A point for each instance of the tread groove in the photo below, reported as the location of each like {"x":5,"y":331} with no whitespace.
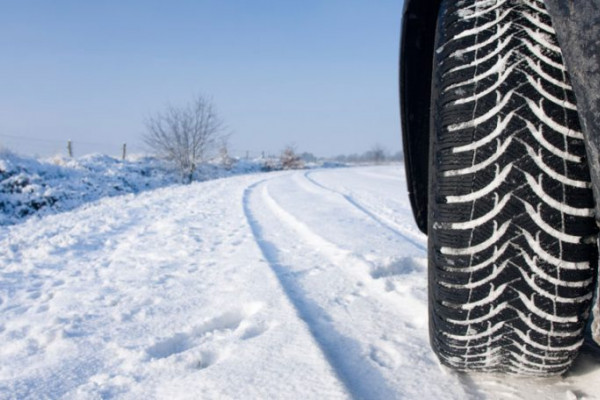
{"x":511,"y":239}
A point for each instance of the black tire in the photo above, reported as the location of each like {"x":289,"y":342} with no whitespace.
{"x":512,"y":248}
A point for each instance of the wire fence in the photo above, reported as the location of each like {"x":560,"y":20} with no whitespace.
{"x":44,"y":147}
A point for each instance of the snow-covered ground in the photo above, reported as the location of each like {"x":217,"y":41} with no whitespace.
{"x":31,"y":187}
{"x":287,"y":285}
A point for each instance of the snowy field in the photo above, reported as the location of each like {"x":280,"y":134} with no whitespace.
{"x":287,"y":285}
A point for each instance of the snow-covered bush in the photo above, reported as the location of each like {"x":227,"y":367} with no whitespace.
{"x":29,"y":186}
{"x":290,"y":160}
{"x":39,"y":187}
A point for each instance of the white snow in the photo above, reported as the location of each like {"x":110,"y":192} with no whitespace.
{"x":31,"y":187}
{"x":288,"y":285}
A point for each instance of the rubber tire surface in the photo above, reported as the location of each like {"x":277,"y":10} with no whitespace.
{"x":512,"y":240}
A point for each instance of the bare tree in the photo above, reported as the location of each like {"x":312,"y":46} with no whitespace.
{"x":185,"y":135}
{"x":377,"y":154}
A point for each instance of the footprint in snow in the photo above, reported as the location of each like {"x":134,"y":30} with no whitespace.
{"x":402,"y":266}
{"x":177,"y":343}
{"x":34,"y":295}
{"x":253,"y":330}
{"x":42,"y":309}
{"x":219,"y":331}
{"x":384,"y":355}
{"x":206,"y":359}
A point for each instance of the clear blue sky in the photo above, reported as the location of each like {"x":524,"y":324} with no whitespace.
{"x":320,"y":74}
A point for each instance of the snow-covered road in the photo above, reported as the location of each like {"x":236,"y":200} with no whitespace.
{"x":304,"y":284}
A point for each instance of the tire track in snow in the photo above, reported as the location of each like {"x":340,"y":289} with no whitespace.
{"x":381,"y":221}
{"x":347,"y":366}
{"x":366,"y":270}
{"x":369,"y":338}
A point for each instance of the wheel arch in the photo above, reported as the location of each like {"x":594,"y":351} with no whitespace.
{"x":416,"y":57}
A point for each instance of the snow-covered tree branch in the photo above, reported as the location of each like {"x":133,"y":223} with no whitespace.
{"x":185,"y":135}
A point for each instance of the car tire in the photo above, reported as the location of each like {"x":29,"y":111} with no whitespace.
{"x":512,"y":238}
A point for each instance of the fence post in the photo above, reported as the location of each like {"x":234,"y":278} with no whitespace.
{"x":124,"y":151}
{"x":70,"y":148}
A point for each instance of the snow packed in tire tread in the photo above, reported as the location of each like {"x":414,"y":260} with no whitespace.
{"x":512,"y":235}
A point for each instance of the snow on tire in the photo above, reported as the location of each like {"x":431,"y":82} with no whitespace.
{"x":512,"y":238}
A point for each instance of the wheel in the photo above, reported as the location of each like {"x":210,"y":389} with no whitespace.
{"x":512,"y":239}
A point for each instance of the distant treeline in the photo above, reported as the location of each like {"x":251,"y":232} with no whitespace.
{"x":376,"y":155}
